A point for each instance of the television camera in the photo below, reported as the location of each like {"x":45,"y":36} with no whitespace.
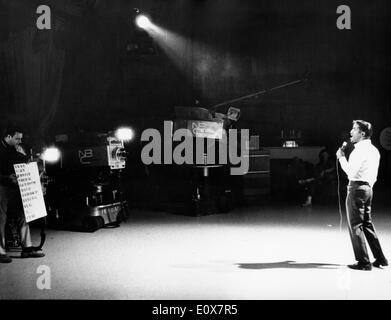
{"x":85,"y":189}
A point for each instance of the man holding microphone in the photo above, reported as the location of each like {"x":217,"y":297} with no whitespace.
{"x":361,"y":170}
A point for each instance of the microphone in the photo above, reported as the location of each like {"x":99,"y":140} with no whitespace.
{"x":344,"y":145}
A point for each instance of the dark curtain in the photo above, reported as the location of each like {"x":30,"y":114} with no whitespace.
{"x":32,"y":69}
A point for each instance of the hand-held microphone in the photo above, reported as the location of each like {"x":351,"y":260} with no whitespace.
{"x":344,"y":145}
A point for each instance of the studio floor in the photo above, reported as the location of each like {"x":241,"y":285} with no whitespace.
{"x":257,"y":252}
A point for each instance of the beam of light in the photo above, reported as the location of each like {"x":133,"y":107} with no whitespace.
{"x":143,"y":22}
{"x":51,"y":154}
{"x":202,"y":64}
{"x":125,"y":134}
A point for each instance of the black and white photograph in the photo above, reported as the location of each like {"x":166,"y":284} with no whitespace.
{"x":203,"y":152}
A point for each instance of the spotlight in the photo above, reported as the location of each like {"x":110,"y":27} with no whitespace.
{"x":143,"y":22}
{"x":124,"y":134}
{"x":51,"y":154}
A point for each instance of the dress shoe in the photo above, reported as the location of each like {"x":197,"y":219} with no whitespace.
{"x":31,"y":253}
{"x":380,"y":263}
{"x":5,"y":258}
{"x":361,"y":266}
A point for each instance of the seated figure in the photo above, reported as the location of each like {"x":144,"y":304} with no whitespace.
{"x":321,"y":181}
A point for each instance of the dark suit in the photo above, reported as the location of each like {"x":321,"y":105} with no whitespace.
{"x":10,"y":200}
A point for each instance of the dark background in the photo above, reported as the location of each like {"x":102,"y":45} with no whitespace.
{"x":81,"y":76}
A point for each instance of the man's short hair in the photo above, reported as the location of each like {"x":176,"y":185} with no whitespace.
{"x":365,"y":127}
{"x":11,"y":130}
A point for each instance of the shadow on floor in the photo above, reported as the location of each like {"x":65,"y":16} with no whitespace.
{"x":288,"y":265}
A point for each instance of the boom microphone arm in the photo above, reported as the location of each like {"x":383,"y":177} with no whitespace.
{"x":254,"y":95}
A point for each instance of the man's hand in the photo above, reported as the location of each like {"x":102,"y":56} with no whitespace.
{"x":13,"y":178}
{"x":340,"y":153}
{"x":20,"y":149}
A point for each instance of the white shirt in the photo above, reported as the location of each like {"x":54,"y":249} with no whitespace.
{"x":363,"y":162}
